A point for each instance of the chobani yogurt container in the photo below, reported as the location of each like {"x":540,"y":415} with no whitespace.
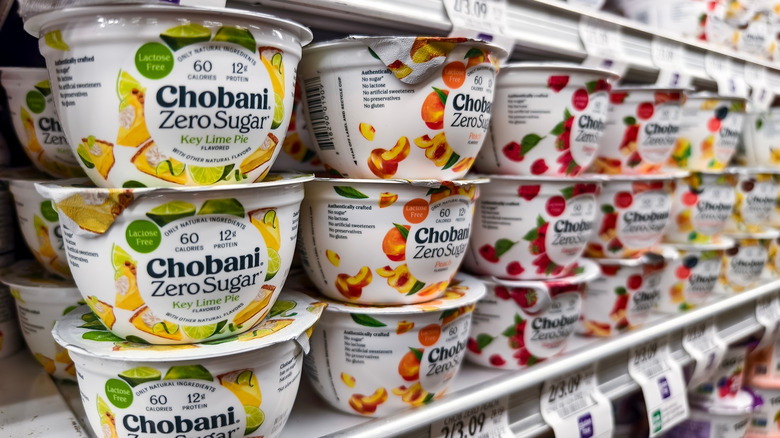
{"x":376,"y":241}
{"x":240,"y":386}
{"x":765,"y":421}
{"x":152,"y":95}
{"x":756,"y":195}
{"x":762,"y":138}
{"x":171,"y":266}
{"x":641,"y":129}
{"x":632,"y":213}
{"x":10,"y":335}
{"x":702,"y":203}
{"x":727,"y":419}
{"x":744,"y":263}
{"x":623,"y":296}
{"x":528,"y":228}
{"x":548,"y":119}
{"x":520,"y":323}
{"x":31,"y":104}
{"x":690,"y":279}
{"x":42,"y":298}
{"x":377,"y":360}
{"x":710,"y":130}
{"x":399,"y":107}
{"x":725,"y":384}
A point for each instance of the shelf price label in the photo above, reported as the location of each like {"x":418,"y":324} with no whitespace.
{"x":489,"y":420}
{"x":761,"y":94}
{"x":720,"y":69}
{"x":663,"y":386}
{"x":481,"y":19}
{"x":670,"y":59}
{"x":603,"y":44}
{"x":768,"y":315}
{"x":702,"y":342}
{"x":573,"y":405}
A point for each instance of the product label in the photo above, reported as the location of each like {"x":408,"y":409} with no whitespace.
{"x":642,"y":224}
{"x":442,"y":360}
{"x":546,"y":335}
{"x":712,"y":209}
{"x":728,"y":136}
{"x":768,"y":315}
{"x":746,"y":266}
{"x":587,"y":127}
{"x":657,"y":135}
{"x":41,"y":229}
{"x":571,"y":230}
{"x":764,"y":421}
{"x":702,"y":342}
{"x":758,"y":202}
{"x":702,"y":280}
{"x":643,"y":301}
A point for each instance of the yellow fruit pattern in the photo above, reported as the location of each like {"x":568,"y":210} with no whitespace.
{"x":98,"y":153}
{"x":348,"y":380}
{"x":33,"y":145}
{"x":44,"y":242}
{"x":126,"y":285}
{"x":414,"y":395}
{"x":132,"y":122}
{"x":148,"y":322}
{"x":104,"y":311}
{"x":93,"y":211}
{"x":107,"y":419}
{"x":264,"y":329}
{"x":267,"y":223}
{"x":258,"y":304}
{"x":399,"y":278}
{"x":333,"y":257}
{"x":244,"y":385}
{"x":261,"y":155}
{"x":151,"y":161}
{"x":47,"y":363}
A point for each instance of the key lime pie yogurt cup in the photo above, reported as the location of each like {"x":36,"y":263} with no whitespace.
{"x":168,"y":96}
{"x":240,"y":386}
{"x":41,"y":299}
{"x":170,"y":265}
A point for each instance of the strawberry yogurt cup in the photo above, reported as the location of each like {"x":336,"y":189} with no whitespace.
{"x":378,"y":360}
{"x":419,"y":231}
{"x":641,"y":130}
{"x":764,"y":422}
{"x":756,"y":197}
{"x":548,"y":119}
{"x":399,"y":107}
{"x":240,"y":386}
{"x":690,"y":280}
{"x":10,"y":335}
{"x":166,"y":96}
{"x":532,"y":228}
{"x":31,"y":104}
{"x":520,"y":323}
{"x":702,"y":203}
{"x":632,"y":212}
{"x":623,"y":296}
{"x":745,"y":262}
{"x":172,"y":265}
{"x":710,"y":130}
{"x":42,"y":298}
{"x":728,"y":419}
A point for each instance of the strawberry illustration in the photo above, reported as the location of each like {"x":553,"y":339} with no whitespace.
{"x":618,"y":311}
{"x":563,"y":141}
{"x":488,"y":252}
{"x":584,"y":188}
{"x":628,"y":144}
{"x":617,"y":97}
{"x":537,"y":245}
{"x":634,"y":160}
{"x":634,"y":281}
{"x":472,"y":346}
{"x":539,"y":167}
{"x":610,"y":270}
{"x":528,"y":192}
{"x":602,"y":85}
{"x":524,"y":357}
{"x":557,"y":83}
{"x":513,"y":151}
{"x":497,"y":361}
{"x":524,"y":297}
{"x":514,"y":268}
{"x":615,"y":245}
{"x":476,"y":345}
{"x":568,"y":165}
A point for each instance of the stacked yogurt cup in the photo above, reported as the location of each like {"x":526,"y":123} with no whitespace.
{"x":762,"y":373}
{"x":182,"y":248}
{"x":382,"y":237}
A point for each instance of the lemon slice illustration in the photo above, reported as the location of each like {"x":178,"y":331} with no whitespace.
{"x":139,"y":375}
{"x":164,"y":214}
{"x":184,"y":35}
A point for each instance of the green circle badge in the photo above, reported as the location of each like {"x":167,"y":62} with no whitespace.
{"x":154,"y":60}
{"x":119,"y":393}
{"x":143,"y":236}
{"x":35,"y":101}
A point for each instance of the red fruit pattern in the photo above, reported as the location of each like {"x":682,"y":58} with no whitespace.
{"x":516,"y":340}
{"x":557,"y":83}
{"x":476,"y":345}
{"x":526,"y":298}
{"x":539,"y":167}
{"x":528,"y":192}
{"x":536,"y":238}
{"x":502,"y":292}
{"x":689,"y":199}
{"x":517,"y":151}
{"x":623,"y":200}
{"x":497,"y":361}
{"x":617,"y":98}
{"x":563,"y":132}
{"x":610,"y":270}
{"x":730,"y":386}
{"x":634,"y":282}
{"x":713,"y":125}
{"x":488,"y":252}
{"x":514,"y":268}
{"x":618,"y":312}
{"x":493,"y":253}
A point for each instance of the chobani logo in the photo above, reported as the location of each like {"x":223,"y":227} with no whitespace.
{"x":169,"y":96}
{"x":451,"y":237}
{"x":702,"y":283}
{"x":179,"y":425}
{"x":570,"y":232}
{"x":707,"y":206}
{"x":657,"y":134}
{"x":634,"y":216}
{"x":444,"y":359}
{"x":465,"y":103}
{"x":588,"y":125}
{"x":51,"y":130}
{"x":747,"y":267}
{"x":726,"y":132}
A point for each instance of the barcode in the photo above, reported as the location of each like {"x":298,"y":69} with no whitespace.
{"x":319,"y":119}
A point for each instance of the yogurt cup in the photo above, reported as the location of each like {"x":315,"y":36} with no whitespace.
{"x":690,"y":279}
{"x":165,"y":96}
{"x":641,"y":129}
{"x":172,"y":266}
{"x":385,"y":241}
{"x":528,"y":228}
{"x":632,"y":213}
{"x":702,"y":203}
{"x":297,"y":149}
{"x":762,"y":138}
{"x":726,"y":383}
{"x":10,"y":335}
{"x":31,"y":104}
{"x":744,"y":263}
{"x":548,"y":119}
{"x":623,"y":296}
{"x":375,"y":361}
{"x":765,"y":422}
{"x":423,"y":110}
{"x":756,"y":196}
{"x":42,"y":298}
{"x":240,"y":386}
{"x":763,"y":366}
{"x":520,"y":323}
{"x":727,"y":420}
{"x":710,"y":129}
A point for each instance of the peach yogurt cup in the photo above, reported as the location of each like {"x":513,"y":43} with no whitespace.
{"x":745,"y":263}
{"x":520,"y":323}
{"x":180,"y":265}
{"x":702,"y":203}
{"x":153,"y":95}
{"x":414,"y":351}
{"x":548,"y":119}
{"x":244,"y":385}
{"x":385,"y":241}
{"x":42,"y":298}
{"x":31,"y":104}
{"x":532,"y":228}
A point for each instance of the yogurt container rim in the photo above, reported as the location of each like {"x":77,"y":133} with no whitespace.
{"x":620,"y":88}
{"x":667,"y":175}
{"x":750,"y":170}
{"x":711,"y":95}
{"x":356,"y":39}
{"x":722,"y":243}
{"x":68,"y":333}
{"x":562,"y":66}
{"x":584,"y":178}
{"x":30,"y":275}
{"x":646,"y":258}
{"x":475,"y":290}
{"x":590,"y":270}
{"x":766,"y":234}
{"x":744,"y":402}
{"x":427,"y":183}
{"x":34,"y":24}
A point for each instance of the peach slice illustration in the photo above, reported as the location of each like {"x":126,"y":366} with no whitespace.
{"x":351,"y":287}
{"x":403,"y":327}
{"x":415,"y":395}
{"x":367,"y":131}
{"x":387,"y":199}
{"x":436,"y":149}
{"x":384,"y":163}
{"x":333,"y":258}
{"x":399,"y":278}
{"x":367,"y":405}
{"x":348,"y":380}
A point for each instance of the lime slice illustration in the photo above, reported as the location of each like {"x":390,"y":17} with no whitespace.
{"x":269,"y":217}
{"x":119,"y":256}
{"x":222,"y":206}
{"x":125,"y":84}
{"x":164,"y":214}
{"x":200,"y":331}
{"x":254,"y":419}
{"x":48,"y":212}
{"x":206,"y":175}
{"x":184,"y":35}
{"x":167,"y":167}
{"x":165,"y":327}
{"x":276,"y":61}
{"x":242,"y":37}
{"x":278,"y":111}
{"x":281,"y":307}
{"x":245,"y":378}
{"x":54,"y":40}
{"x":83,"y":154}
{"x":189,"y":372}
{"x":139,"y":375}
{"x":44,"y":87}
{"x":274,"y":261}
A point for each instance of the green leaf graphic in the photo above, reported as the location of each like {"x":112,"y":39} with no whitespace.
{"x":529,"y":142}
{"x":451,"y":162}
{"x":349,"y":192}
{"x":366,"y":320}
{"x":568,"y":192}
{"x":628,"y":121}
{"x":418,"y":285}
{"x":483,"y":340}
{"x":442,"y":95}
{"x":417,"y":353}
{"x":502,"y":246}
{"x":401,"y":229}
{"x":101,"y":336}
{"x":558,"y":130}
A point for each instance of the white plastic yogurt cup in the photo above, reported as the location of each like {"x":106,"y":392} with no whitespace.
{"x":385,"y":241}
{"x":548,"y":119}
{"x":641,"y":130}
{"x":241,"y":386}
{"x":745,"y":262}
{"x":31,"y":104}
{"x":528,"y":228}
{"x":10,"y":335}
{"x":756,"y":197}
{"x":168,"y":95}
{"x":520,"y":323}
{"x":399,"y":107}
{"x":169,"y":266}
{"x":42,"y":298}
{"x":702,"y":204}
{"x":377,"y":360}
{"x":762,"y":139}
{"x":764,"y":423}
{"x":728,"y":419}
{"x":725,"y":385}
{"x":298,"y":149}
